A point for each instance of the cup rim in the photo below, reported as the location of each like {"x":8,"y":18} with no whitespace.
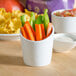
{"x":40,"y":40}
{"x":59,"y":16}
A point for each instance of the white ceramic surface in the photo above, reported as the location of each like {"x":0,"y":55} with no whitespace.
{"x":37,"y":53}
{"x":9,"y":36}
{"x":64,"y":24}
{"x":63,"y":46}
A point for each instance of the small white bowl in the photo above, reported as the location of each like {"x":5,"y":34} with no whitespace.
{"x":63,"y":46}
{"x":64,"y":24}
{"x":37,"y":53}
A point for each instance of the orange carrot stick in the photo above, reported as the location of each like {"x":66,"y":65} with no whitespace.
{"x":43,"y":31}
{"x":23,"y":32}
{"x":49,"y":29}
{"x":38,"y":32}
{"x":32,"y":31}
{"x":28,"y":28}
{"x":31,"y":28}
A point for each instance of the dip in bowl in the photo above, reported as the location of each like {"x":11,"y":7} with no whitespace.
{"x":64,"y":22}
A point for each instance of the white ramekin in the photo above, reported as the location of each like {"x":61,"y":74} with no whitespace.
{"x":63,"y":24}
{"x":37,"y":53}
{"x":62,"y":45}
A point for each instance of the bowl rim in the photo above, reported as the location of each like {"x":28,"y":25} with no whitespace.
{"x":40,"y":40}
{"x":59,"y":16}
{"x":10,"y":34}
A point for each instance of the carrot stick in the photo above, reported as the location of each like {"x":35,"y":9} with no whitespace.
{"x":29,"y":30}
{"x":38,"y":32}
{"x":23,"y":32}
{"x":43,"y":31}
{"x":32,"y":31}
{"x":49,"y":29}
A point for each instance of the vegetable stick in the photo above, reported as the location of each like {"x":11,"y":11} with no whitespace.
{"x":23,"y":32}
{"x":29,"y":30}
{"x":46,"y":18}
{"x":43,"y":31}
{"x":32,"y":20}
{"x":38,"y":32}
{"x":49,"y":29}
{"x":32,"y":31}
{"x":23,"y":19}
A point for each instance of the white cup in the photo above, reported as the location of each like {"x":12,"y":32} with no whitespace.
{"x":37,"y":53}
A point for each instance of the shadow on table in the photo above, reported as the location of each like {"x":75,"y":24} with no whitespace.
{"x":11,"y":60}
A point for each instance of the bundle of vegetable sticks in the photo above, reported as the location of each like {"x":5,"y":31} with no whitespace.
{"x":36,"y":29}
